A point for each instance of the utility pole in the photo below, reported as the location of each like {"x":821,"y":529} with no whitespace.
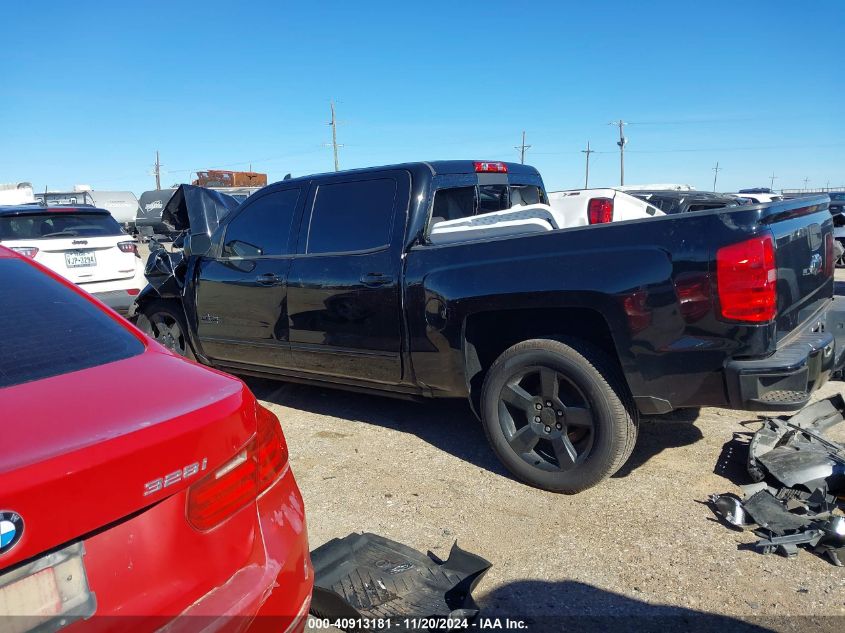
{"x":621,"y":143}
{"x":716,"y":171}
{"x":587,"y":151}
{"x":522,"y":148}
{"x":157,"y":173}
{"x":333,"y":123}
{"x":772,"y":181}
{"x":806,"y":180}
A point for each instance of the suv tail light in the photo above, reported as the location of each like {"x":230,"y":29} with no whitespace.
{"x":485,"y":166}
{"x":26,"y":251}
{"x":600,"y":210}
{"x":746,"y":278}
{"x":244,"y":477}
{"x":129,"y":247}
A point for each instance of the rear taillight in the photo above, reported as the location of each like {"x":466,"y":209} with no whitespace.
{"x":26,"y":251}
{"x":497,"y":167}
{"x":600,"y":210}
{"x":246,"y":475}
{"x":129,"y":247}
{"x":746,"y":278}
{"x":828,"y":255}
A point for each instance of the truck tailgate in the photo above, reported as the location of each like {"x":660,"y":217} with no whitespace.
{"x":803,"y":232}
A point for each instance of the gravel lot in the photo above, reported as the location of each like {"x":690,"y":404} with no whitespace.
{"x":641,"y":544}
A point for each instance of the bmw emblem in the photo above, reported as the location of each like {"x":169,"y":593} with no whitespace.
{"x":11,"y":530}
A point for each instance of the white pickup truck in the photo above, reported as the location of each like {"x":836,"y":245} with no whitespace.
{"x":566,"y":209}
{"x":598,"y":206}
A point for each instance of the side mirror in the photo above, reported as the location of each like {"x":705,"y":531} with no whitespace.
{"x":200,"y":244}
{"x":196,"y":245}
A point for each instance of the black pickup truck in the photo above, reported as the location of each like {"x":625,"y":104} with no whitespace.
{"x":559,"y":340}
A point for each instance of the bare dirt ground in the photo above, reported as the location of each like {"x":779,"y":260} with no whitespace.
{"x":642,"y":544}
{"x":639,"y":544}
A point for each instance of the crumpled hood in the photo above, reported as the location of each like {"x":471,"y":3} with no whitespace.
{"x":196,"y":209}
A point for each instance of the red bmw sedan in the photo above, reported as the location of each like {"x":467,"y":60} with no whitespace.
{"x":138,"y":490}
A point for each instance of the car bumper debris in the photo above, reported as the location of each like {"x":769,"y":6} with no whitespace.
{"x":365,"y":581}
{"x":799,"y":496}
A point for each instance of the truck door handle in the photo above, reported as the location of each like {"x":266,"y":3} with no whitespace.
{"x":268,"y":279}
{"x":374,"y":280}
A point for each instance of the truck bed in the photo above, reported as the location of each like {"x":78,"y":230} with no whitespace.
{"x":649,"y":284}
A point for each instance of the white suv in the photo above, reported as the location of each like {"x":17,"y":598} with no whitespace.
{"x":84,"y":244}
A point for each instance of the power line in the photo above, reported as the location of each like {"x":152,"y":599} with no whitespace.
{"x":157,"y":173}
{"x":701,"y":149}
{"x":587,"y":151}
{"x":522,"y":148}
{"x":621,"y":143}
{"x":716,"y":171}
{"x":693,"y":121}
{"x":772,"y":181}
{"x":735,"y":149}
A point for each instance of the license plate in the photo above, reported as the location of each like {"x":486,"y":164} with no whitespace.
{"x":80,"y":259}
{"x":35,"y":596}
{"x":48,"y":593}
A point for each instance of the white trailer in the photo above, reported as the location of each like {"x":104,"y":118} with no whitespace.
{"x":16,"y":193}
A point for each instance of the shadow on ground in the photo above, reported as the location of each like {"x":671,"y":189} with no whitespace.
{"x":733,"y":459}
{"x":576,"y":606}
{"x":446,"y":424}
{"x":659,"y":433}
{"x":450,"y":425}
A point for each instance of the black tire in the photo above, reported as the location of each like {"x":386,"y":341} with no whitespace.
{"x":164,"y":321}
{"x":583,"y":438}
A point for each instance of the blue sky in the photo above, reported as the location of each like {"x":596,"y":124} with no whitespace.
{"x":93,"y":89}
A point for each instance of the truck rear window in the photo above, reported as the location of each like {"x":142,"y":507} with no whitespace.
{"x":455,"y":203}
{"x":47,"y":329}
{"x":40,"y":226}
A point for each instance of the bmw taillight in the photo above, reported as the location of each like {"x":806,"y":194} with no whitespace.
{"x":746,"y":279}
{"x":26,"y":251}
{"x":249,"y":472}
{"x":129,"y":247}
{"x":600,"y":210}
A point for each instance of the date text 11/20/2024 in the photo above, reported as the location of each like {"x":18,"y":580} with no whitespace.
{"x":421,"y":624}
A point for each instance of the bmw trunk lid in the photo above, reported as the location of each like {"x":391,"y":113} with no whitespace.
{"x":85,"y":449}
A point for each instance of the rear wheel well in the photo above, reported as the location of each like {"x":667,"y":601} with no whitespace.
{"x":488,"y":334}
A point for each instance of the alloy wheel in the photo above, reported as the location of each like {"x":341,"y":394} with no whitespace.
{"x":546,"y":419}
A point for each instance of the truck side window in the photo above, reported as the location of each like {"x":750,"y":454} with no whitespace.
{"x":352,"y":216}
{"x":453,"y":204}
{"x":262,"y":228}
